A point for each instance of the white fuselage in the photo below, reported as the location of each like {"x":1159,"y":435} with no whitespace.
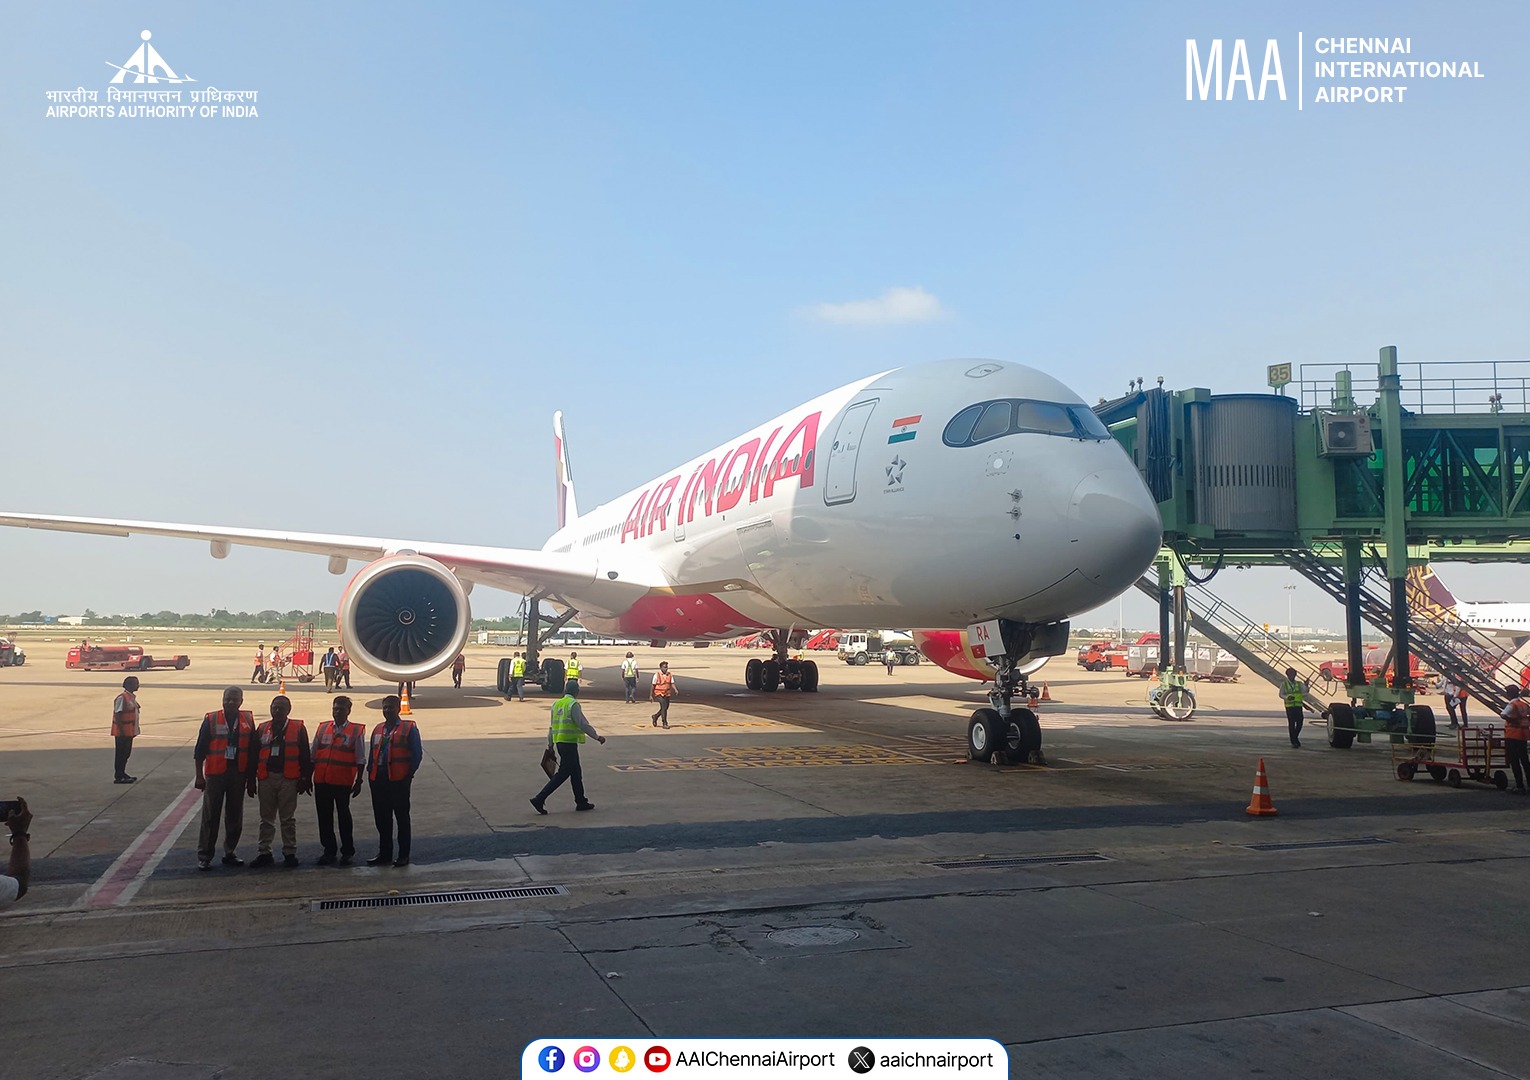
{"x":864,"y":506}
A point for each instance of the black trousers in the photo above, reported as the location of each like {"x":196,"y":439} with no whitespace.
{"x":124,"y":751}
{"x":331,"y":800}
{"x":1294,"y":722}
{"x":457,"y":679}
{"x":258,"y":675}
{"x":390,"y":804}
{"x":663,"y":714}
{"x":1518,"y":753}
{"x":568,"y":769}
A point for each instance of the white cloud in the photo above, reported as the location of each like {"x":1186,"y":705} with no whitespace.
{"x":900,"y":304}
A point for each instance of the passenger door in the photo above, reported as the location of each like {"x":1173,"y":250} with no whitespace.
{"x":839,"y":480}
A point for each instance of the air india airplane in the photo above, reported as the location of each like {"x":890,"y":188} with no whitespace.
{"x":959,"y":493}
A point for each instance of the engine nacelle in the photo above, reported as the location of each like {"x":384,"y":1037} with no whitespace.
{"x":404,"y":617}
{"x":951,"y":650}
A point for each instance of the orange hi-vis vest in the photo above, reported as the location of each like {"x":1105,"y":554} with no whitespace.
{"x":335,"y":753}
{"x":663,"y":684}
{"x":216,"y":762}
{"x":399,"y":757}
{"x":1517,"y":724}
{"x":125,"y":723}
{"x":292,"y":760}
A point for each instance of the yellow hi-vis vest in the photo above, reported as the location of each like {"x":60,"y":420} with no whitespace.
{"x":563,"y":727}
{"x":572,"y":669}
{"x":517,"y":668}
{"x":1294,"y":693}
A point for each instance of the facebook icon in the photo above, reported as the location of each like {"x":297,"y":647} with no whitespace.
{"x":551,"y":1059}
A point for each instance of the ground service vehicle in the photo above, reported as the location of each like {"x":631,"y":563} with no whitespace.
{"x":866,"y":647}
{"x":1101,"y":656}
{"x":11,"y":654}
{"x":120,"y":658}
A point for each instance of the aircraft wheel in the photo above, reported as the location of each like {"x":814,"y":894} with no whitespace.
{"x":553,"y":676}
{"x":791,"y":674}
{"x":983,"y":735}
{"x":1341,"y":718}
{"x":1023,"y":737}
{"x":770,"y":676}
{"x":809,"y":676}
{"x":502,"y":676}
{"x":752,"y":673}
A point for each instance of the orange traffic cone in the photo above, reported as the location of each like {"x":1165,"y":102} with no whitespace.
{"x":1260,"y":805}
{"x":281,"y":686}
{"x":403,"y":707}
{"x":1046,"y":692}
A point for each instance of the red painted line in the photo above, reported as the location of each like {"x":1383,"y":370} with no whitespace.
{"x":907,"y":420}
{"x":135,"y":860}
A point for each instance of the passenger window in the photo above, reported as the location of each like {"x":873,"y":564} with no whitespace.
{"x":959,"y":431}
{"x":995,"y":422}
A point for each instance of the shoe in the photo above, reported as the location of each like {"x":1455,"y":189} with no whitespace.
{"x":130,"y":779}
{"x":665,"y":725}
{"x":584,"y":806}
{"x":325,"y":860}
{"x":204,"y":864}
{"x":119,"y":780}
{"x":380,"y":860}
{"x":655,"y":721}
{"x":290,"y":861}
{"x":345,"y":860}
{"x":232,"y":860}
{"x":401,"y":861}
{"x":263,"y":859}
{"x":538,"y":807}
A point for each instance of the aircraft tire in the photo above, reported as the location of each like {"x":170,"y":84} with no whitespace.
{"x":809,"y":677}
{"x":752,"y":673}
{"x":554,"y":675}
{"x":502,"y":676}
{"x":983,"y":735}
{"x":770,"y":676}
{"x":1341,"y":715}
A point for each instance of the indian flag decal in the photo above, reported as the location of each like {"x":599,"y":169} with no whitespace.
{"x":905,"y":428}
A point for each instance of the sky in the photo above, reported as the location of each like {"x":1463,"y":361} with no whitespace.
{"x":357,"y":311}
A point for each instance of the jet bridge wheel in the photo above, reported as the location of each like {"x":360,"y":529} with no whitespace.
{"x":983,"y":735}
{"x":752,"y":673}
{"x":1341,"y":721}
{"x":1421,"y":725}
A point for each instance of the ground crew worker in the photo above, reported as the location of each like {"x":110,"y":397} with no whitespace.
{"x":567,"y":730}
{"x":1516,"y":736}
{"x":339,"y":758}
{"x":459,"y":665}
{"x":889,"y":658}
{"x":330,"y":666}
{"x":395,"y":758}
{"x":274,"y":668}
{"x":225,"y":764}
{"x":630,"y":678}
{"x":1293,"y":692}
{"x":125,"y":727}
{"x":517,"y":678}
{"x":345,"y":667}
{"x":259,"y":674}
{"x":572,"y":670}
{"x":662,"y":690}
{"x":284,"y":769}
{"x":1459,"y":684}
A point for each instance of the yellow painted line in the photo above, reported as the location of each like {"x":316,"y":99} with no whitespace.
{"x":768,"y":757}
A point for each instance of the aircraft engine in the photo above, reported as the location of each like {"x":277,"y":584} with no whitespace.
{"x":950,"y":650}
{"x":404,"y":617}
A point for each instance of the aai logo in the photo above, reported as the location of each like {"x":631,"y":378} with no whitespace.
{"x":146,"y":65}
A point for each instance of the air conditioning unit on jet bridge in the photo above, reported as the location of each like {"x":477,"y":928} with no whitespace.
{"x":1344,"y":435}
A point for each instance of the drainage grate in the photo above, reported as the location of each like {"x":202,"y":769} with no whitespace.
{"x":1359,"y":841}
{"x":1023,"y":860}
{"x":412,"y":899}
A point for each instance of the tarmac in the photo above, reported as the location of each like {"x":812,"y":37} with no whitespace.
{"x":772,"y":866}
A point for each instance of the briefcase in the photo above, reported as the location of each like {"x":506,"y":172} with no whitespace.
{"x":549,"y":762}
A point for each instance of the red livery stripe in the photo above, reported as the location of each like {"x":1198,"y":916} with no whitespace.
{"x":907,"y":420}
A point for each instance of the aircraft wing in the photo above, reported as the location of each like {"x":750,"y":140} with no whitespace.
{"x":520,"y":570}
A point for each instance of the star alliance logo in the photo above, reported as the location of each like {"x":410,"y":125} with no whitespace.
{"x":894,"y":472}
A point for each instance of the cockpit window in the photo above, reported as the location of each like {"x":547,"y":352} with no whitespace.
{"x":987,"y":420}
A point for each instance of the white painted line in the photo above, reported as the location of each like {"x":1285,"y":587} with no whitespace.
{"x":125,"y":876}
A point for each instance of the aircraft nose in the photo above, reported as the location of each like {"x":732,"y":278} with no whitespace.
{"x":1116,"y":526}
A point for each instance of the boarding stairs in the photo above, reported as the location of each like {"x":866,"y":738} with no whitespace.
{"x":1226,"y":626}
{"x":1435,"y":634}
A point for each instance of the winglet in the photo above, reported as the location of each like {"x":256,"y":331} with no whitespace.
{"x":568,"y":506}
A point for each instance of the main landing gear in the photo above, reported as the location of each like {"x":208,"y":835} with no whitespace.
{"x":781,"y":670}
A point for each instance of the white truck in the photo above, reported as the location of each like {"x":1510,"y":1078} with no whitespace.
{"x":861,"y":647}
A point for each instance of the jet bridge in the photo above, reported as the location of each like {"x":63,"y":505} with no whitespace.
{"x":1350,"y":474}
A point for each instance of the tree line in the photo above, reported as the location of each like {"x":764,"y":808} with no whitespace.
{"x":220,"y":619}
